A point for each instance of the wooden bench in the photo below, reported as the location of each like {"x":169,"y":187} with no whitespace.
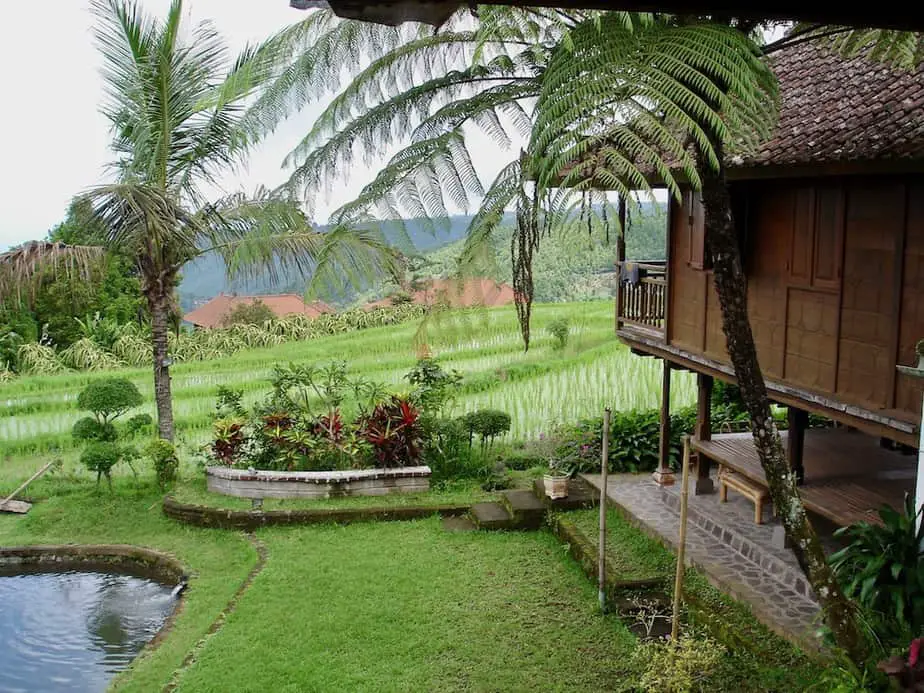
{"x":747,"y":488}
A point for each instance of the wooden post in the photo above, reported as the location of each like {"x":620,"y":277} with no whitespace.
{"x":795,"y":441}
{"x":682,"y":548}
{"x":703,"y":431}
{"x":601,"y":548}
{"x":620,"y":261}
{"x":664,"y":475}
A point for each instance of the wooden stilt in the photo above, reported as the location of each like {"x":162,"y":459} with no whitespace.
{"x":703,"y":431}
{"x":795,"y":441}
{"x":664,"y":474}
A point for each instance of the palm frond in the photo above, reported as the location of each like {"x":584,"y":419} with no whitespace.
{"x":22,"y":269}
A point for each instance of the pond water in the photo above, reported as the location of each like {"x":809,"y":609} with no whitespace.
{"x":73,"y":631}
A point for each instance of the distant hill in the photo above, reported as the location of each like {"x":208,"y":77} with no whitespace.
{"x":205,"y":277}
{"x":567,"y":269}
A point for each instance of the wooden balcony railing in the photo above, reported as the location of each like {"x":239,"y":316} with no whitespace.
{"x":642,"y":296}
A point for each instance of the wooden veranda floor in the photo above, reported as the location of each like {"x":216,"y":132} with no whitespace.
{"x":848,"y":476}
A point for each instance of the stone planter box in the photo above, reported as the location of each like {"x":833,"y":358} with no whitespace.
{"x":247,"y":483}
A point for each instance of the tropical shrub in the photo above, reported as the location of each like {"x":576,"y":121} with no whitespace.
{"x":447,"y":451}
{"x":90,"y":430}
{"x":487,"y":424}
{"x":109,"y":398}
{"x":254,"y":313}
{"x":164,"y":460}
{"x":394,"y":432}
{"x":101,"y":457}
{"x":559,"y":330}
{"x":228,"y":440}
{"x":139,"y":423}
{"x":433,"y":386}
{"x":882,"y":568}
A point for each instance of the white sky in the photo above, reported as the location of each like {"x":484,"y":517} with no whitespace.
{"x":56,"y":142}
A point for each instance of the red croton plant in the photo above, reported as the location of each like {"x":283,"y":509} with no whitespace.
{"x":393,"y":430}
{"x":908,"y":672}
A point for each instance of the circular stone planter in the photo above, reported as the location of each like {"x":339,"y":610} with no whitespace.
{"x":250,"y":483}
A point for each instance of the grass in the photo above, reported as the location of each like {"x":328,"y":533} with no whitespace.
{"x":407,"y":606}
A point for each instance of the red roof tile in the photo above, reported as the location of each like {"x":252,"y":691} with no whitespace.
{"x":213,"y":313}
{"x":835,"y":110}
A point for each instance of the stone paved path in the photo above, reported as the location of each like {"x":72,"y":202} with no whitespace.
{"x":724,"y":543}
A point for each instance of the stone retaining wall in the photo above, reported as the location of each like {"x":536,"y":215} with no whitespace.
{"x":120,"y":558}
{"x":249,"y":483}
{"x":205,"y":516}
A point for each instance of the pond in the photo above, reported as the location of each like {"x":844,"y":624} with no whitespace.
{"x":73,"y":631}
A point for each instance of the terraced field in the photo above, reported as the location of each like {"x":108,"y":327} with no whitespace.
{"x":537,"y":387}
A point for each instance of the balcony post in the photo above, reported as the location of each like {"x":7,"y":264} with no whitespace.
{"x":703,"y":431}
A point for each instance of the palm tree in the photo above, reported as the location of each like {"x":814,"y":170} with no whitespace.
{"x":177,"y":102}
{"x":610,"y":99}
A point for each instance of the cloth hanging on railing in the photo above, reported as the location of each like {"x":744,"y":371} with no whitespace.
{"x":630,"y":273}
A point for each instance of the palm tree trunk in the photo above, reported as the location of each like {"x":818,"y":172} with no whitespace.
{"x":159,"y":304}
{"x":731,"y":287}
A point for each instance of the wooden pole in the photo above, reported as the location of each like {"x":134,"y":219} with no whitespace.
{"x":26,"y":483}
{"x":601,"y":547}
{"x":681,"y":549}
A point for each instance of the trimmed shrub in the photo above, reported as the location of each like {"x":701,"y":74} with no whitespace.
{"x":487,"y":424}
{"x":89,"y":429}
{"x":101,"y":457}
{"x":109,"y":398}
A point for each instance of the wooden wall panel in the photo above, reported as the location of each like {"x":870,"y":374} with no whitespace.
{"x":811,"y":339}
{"x":869,"y":310}
{"x":715,"y":338}
{"x":908,"y":391}
{"x":829,"y":235}
{"x":801,"y":236}
{"x":768,"y":260}
{"x":688,"y":307}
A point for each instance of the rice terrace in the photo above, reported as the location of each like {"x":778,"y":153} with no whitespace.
{"x":437,"y":346}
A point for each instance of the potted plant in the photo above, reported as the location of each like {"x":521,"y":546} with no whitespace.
{"x":556,"y":479}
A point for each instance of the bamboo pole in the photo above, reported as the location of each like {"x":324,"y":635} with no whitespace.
{"x":26,"y":483}
{"x":681,"y":549}
{"x":601,"y":548}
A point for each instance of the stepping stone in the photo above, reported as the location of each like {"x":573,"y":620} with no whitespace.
{"x":491,"y":516}
{"x":527,"y":510}
{"x":458,"y":523}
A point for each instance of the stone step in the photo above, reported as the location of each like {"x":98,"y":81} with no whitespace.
{"x":527,"y":510}
{"x":580,"y":495}
{"x":491,"y":516}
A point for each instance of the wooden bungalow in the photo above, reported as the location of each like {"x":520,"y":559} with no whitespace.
{"x":830,"y":216}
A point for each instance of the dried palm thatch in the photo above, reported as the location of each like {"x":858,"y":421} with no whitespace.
{"x":23,"y":268}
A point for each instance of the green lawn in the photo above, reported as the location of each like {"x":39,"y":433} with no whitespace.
{"x":409,"y":607}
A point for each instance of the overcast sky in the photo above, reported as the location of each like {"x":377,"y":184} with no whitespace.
{"x":55,"y":142}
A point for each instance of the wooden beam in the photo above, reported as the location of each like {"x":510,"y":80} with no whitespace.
{"x":795,"y":441}
{"x":896,"y":16}
{"x":703,"y":431}
{"x":664,"y":474}
{"x":877,"y":423}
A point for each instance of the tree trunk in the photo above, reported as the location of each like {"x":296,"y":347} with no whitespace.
{"x":159,"y":304}
{"x":731,"y":287}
